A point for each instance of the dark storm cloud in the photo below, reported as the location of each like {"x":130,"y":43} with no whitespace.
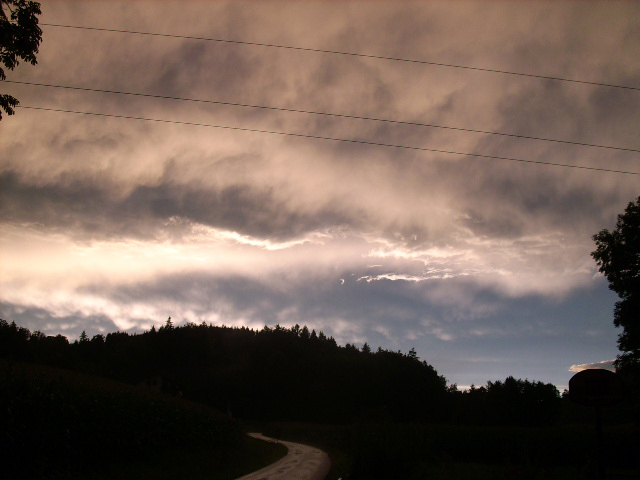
{"x":496,"y":206}
{"x":518,"y":198}
{"x":144,"y":213}
{"x":298,"y":78}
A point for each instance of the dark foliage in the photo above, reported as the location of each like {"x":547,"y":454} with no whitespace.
{"x":618,"y":256}
{"x":20,"y":38}
{"x":285,"y":374}
{"x":512,"y":402}
{"x":275,"y":373}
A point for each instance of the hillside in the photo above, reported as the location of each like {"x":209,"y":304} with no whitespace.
{"x":271,"y":374}
{"x":61,"y":424}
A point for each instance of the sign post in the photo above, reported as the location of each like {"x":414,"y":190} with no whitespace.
{"x":597,"y":388}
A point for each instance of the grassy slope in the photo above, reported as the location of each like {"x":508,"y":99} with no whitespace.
{"x":201,"y":463}
{"x":61,"y":424}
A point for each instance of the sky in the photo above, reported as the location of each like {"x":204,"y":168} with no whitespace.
{"x":481,"y":264}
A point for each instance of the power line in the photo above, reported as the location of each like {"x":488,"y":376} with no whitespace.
{"x":352,"y":54}
{"x":318,"y":137}
{"x":339,"y":115}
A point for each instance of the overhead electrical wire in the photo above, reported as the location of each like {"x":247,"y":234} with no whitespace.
{"x":311,"y":112}
{"x":365,"y":142}
{"x":337,"y":52}
{"x":335,"y":139}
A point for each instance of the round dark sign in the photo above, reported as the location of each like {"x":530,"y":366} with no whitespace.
{"x":596,"y":387}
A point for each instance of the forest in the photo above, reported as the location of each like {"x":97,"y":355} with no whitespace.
{"x":276,"y":378}
{"x":285,"y":374}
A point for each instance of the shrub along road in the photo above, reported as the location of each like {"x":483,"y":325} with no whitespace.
{"x":302,"y":462}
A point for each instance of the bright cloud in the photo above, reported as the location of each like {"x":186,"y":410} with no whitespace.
{"x":604,"y":365}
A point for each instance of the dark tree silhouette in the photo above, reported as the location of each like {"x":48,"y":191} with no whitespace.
{"x":509,"y":402}
{"x":618,"y":256}
{"x":273,"y":374}
{"x":280,"y":373}
{"x":20,"y":38}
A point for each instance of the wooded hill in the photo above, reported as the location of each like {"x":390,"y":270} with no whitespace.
{"x":279,"y":373}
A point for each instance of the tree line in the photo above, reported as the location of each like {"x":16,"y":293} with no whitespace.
{"x":289,"y":374}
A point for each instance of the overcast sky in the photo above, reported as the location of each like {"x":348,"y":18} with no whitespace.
{"x":481,"y":264}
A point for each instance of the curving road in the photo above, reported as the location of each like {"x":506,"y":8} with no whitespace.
{"x":300,"y":463}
